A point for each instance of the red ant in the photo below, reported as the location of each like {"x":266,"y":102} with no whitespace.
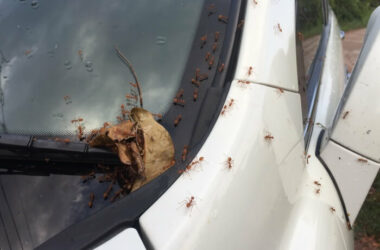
{"x":318,"y":191}
{"x":211,"y":62}
{"x":250,"y":70}
{"x":195,"y":94}
{"x":117,"y":194}
{"x":362,"y":160}
{"x":216,"y":36}
{"x":240,"y":24}
{"x":269,"y":137}
{"x":332,"y":209}
{"x":214,"y":47}
{"x":134,"y":97}
{"x":279,"y":27}
{"x":211,"y":9}
{"x":228,"y":106}
{"x":197,"y":73}
{"x":108,"y":190}
{"x":177,"y":101}
{"x":317,"y":183}
{"x":345,"y":114}
{"x":203,"y":40}
{"x":133,"y":84}
{"x":80,"y":132}
{"x":190,"y":202}
{"x":203,"y":77}
{"x":177,"y":120}
{"x":208,"y":55}
{"x":77,"y":120}
{"x":221,"y":68}
{"x":184,"y":152}
{"x":229,"y":162}
{"x":171,"y":164}
{"x":187,"y":169}
{"x":243,"y":82}
{"x":91,"y":202}
{"x":195,"y":82}
{"x":222,"y":18}
{"x":124,"y":112}
{"x":191,"y":165}
{"x":231,"y":102}
{"x":307,"y":159}
{"x":224,"y":110}
{"x":300,"y":36}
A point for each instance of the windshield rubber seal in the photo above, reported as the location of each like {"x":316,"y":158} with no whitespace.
{"x":318,"y":155}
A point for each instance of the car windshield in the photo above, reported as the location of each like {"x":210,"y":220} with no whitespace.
{"x":59,"y":63}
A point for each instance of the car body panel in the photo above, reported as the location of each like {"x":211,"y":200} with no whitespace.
{"x":333,"y":78}
{"x":353,"y":174}
{"x":312,"y":225}
{"x":282,"y":208}
{"x":263,"y":168}
{"x":358,"y":123}
{"x":270,"y":52}
{"x":128,"y":238}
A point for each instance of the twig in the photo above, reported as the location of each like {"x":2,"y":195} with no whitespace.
{"x":125,"y":60}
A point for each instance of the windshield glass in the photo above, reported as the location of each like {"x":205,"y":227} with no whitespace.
{"x":58,"y":61}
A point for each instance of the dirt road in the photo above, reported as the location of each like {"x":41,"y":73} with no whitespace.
{"x":352,"y":44}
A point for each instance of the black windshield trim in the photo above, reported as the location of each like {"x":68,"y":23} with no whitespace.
{"x":126,"y":212}
{"x":318,"y":155}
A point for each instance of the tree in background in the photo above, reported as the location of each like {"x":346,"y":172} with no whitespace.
{"x":352,"y":10}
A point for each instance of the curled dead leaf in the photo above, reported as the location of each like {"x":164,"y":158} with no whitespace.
{"x":142,"y":143}
{"x":158,"y":146}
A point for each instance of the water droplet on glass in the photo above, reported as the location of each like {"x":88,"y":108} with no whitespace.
{"x":89,"y":69}
{"x":35,"y":4}
{"x":18,"y":26}
{"x":5,"y":77}
{"x":58,"y":115}
{"x":23,"y":1}
{"x":68,"y":64}
{"x":160,"y":40}
{"x":56,"y":46}
{"x":88,"y":64}
{"x":50,"y":53}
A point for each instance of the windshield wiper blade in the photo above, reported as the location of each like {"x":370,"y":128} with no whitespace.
{"x":30,"y":149}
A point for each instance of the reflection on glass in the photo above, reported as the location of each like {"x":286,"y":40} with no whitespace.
{"x":310,"y":24}
{"x":58,"y":63}
{"x":56,"y":49}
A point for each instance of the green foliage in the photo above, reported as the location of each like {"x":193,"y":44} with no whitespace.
{"x":310,"y":17}
{"x":353,"y":13}
{"x":367,"y":222}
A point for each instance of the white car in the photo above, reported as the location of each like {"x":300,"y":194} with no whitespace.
{"x":282,"y":148}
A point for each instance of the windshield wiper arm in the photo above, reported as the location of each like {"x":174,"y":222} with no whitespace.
{"x":32,"y":150}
